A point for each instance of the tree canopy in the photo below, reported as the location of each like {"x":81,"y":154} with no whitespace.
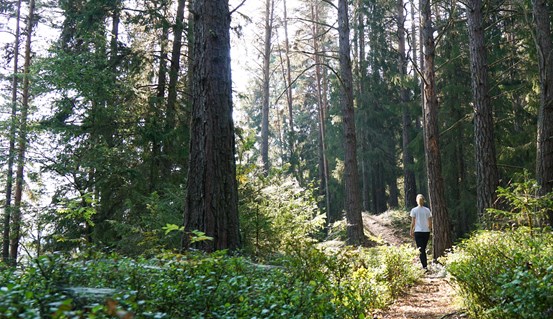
{"x":134,"y":117}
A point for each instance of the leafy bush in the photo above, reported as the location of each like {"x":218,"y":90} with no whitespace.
{"x":524,"y":206}
{"x":276,"y":212}
{"x":309,"y":283}
{"x":509,"y":274}
{"x":506,"y":274}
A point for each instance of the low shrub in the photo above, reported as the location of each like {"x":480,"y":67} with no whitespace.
{"x":506,"y":274}
{"x":276,"y":212}
{"x":307,"y":283}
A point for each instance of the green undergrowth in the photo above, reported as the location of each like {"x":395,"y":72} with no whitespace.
{"x":505,"y":274}
{"x":307,"y":283}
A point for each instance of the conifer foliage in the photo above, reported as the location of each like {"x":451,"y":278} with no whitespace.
{"x":130,"y":120}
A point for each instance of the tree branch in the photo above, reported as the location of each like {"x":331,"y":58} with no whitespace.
{"x":237,"y":7}
{"x":330,"y":3}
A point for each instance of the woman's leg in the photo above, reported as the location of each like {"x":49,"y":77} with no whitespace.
{"x":422,"y":241}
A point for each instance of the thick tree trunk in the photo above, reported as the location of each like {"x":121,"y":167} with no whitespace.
{"x":12,"y":137}
{"x":409,"y":182}
{"x":266,"y":78}
{"x":17,"y":216}
{"x":355,"y":232}
{"x":544,"y":158}
{"x":486,"y":167}
{"x":212,"y":199}
{"x":440,"y":217}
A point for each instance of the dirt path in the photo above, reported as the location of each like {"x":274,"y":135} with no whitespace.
{"x":382,"y":227}
{"x":432,"y":297}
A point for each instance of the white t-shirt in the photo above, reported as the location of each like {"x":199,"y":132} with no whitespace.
{"x":421,"y":214}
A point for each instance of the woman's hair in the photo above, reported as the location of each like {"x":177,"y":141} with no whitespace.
{"x":420,"y":196}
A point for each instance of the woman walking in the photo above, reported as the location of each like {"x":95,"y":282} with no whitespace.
{"x":421,"y":227}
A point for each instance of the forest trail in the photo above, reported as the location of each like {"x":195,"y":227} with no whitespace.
{"x":432,"y":297}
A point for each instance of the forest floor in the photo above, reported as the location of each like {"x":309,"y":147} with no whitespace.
{"x":433,"y":297}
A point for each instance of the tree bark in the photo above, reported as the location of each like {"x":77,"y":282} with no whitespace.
{"x":156,"y":113}
{"x":361,"y":96}
{"x":379,"y":188}
{"x":12,"y":137}
{"x":486,"y":167}
{"x":409,"y":182}
{"x":19,"y":178}
{"x":544,"y":157}
{"x":169,"y":146}
{"x":212,"y":199}
{"x":393,"y":198}
{"x":323,"y":162}
{"x":355,"y":232}
{"x":440,"y":217}
{"x":114,"y":36}
{"x":266,"y":78}
{"x":289,"y":96}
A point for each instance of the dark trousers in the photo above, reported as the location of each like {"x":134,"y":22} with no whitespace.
{"x":422,"y":241}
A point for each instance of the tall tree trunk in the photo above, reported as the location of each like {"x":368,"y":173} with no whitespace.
{"x":486,"y":167}
{"x":289,"y":96}
{"x":323,"y":162}
{"x":156,"y":112}
{"x":409,"y":182}
{"x":11,"y":151}
{"x":212,"y":199}
{"x":103,"y":111}
{"x":393,"y":198}
{"x":423,"y":177}
{"x":114,"y":36}
{"x":269,"y":4}
{"x":465,"y":222}
{"x":378,"y":188}
{"x":366,"y":178}
{"x":544,"y":158}
{"x":355,"y":232}
{"x":17,"y":216}
{"x":440,"y":217}
{"x":171,"y":106}
{"x":361,"y":96}
{"x":414,"y":37}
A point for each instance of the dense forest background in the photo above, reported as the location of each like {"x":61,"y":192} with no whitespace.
{"x":97,"y":111}
{"x":135,"y":154}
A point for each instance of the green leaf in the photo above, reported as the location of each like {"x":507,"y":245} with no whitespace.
{"x":172,"y":227}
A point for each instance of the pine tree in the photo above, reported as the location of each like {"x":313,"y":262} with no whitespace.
{"x":486,"y":167}
{"x":440,"y":217}
{"x":544,"y":158}
{"x":355,"y":227}
{"x":12,"y":137}
{"x":15,"y":236}
{"x":211,"y":201}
